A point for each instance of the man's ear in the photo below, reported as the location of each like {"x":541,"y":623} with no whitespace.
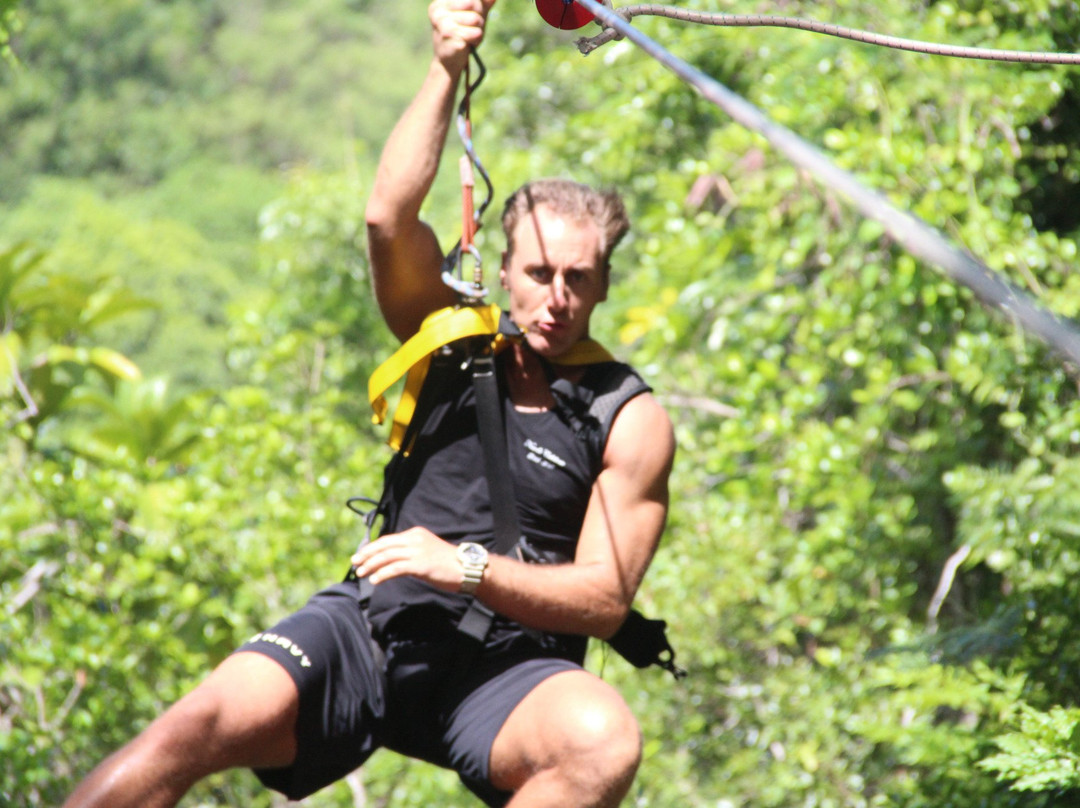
{"x":502,"y":271}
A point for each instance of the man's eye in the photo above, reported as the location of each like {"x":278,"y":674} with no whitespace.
{"x":540,"y":275}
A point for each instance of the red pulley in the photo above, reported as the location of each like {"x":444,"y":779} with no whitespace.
{"x":564,"y":14}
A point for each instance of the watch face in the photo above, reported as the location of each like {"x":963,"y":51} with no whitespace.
{"x":473,"y":553}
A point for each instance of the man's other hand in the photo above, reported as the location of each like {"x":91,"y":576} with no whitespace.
{"x":417,"y":552}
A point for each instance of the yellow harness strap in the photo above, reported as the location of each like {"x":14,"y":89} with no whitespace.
{"x":440,"y":328}
{"x":586,"y":352}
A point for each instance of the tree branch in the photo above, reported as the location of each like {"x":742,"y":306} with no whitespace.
{"x":948,"y":575}
{"x":31,"y":583}
{"x":702,"y":404}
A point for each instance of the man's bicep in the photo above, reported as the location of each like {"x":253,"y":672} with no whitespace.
{"x":406,"y":269}
{"x":628,"y":508}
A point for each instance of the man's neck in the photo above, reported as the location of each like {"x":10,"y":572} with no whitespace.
{"x":528,"y":379}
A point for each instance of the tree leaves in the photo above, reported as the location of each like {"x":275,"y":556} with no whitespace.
{"x":849,"y":421}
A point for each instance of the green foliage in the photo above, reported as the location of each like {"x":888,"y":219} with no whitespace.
{"x":316,"y":322}
{"x":135,"y":424}
{"x":8,"y":24}
{"x":1021,"y":524}
{"x":161,"y":259}
{"x":1044,"y":754}
{"x":870,"y":568}
{"x":127,"y":92}
{"x":222,"y":201}
{"x":45,"y":348}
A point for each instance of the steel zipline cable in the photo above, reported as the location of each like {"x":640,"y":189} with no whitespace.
{"x":626,"y":13}
{"x":913,"y":234}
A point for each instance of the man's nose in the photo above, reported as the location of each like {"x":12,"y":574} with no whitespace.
{"x":558,"y":293}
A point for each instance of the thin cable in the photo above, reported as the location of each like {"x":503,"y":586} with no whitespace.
{"x":464,"y":125}
{"x":919,"y":238}
{"x":588,"y":44}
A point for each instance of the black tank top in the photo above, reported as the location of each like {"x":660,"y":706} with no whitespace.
{"x":442,"y":486}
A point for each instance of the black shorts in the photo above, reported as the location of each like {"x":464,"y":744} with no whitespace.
{"x":441,"y":700}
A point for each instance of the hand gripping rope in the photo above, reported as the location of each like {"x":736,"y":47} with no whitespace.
{"x":906,"y":229}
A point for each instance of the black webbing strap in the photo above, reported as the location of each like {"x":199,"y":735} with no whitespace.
{"x":641,"y":641}
{"x":477,"y":620}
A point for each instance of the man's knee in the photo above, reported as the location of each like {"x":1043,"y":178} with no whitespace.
{"x":605,"y":738}
{"x":572,"y":728}
{"x":243,"y":714}
{"x":159,"y":765}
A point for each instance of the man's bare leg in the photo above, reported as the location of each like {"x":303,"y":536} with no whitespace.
{"x":571,"y":743}
{"x":243,"y":714}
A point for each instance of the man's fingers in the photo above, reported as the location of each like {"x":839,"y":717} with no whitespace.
{"x":478,"y":6}
{"x":388,"y":571}
{"x":380,"y":548}
{"x":417,"y":552}
{"x":461,"y":20}
{"x":466,"y":25}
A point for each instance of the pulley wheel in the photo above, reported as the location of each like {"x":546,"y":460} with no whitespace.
{"x":564,"y":14}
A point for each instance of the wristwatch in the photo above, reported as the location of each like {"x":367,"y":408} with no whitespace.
{"x":474,"y":560}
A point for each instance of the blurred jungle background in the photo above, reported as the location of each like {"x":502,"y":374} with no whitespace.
{"x":872,"y":568}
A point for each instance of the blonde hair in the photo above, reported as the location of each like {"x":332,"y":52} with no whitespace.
{"x":575,"y":200}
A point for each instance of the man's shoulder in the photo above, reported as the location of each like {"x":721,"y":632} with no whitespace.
{"x":641,"y":435}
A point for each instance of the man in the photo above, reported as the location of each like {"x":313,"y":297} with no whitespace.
{"x":308,"y":700}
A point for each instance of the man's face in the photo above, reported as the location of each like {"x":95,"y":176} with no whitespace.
{"x":554,"y":278}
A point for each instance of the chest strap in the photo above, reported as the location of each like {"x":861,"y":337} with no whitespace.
{"x":639,"y":640}
{"x":476,"y":622}
{"x":439,"y":329}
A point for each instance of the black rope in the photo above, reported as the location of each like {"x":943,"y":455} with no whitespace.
{"x":452,"y":272}
{"x":465,"y":132}
{"x":588,"y":44}
{"x":919,"y":238}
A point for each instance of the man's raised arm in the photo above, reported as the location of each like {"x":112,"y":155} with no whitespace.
{"x":405,"y":254}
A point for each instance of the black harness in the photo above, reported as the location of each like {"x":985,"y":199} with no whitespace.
{"x":589,"y":411}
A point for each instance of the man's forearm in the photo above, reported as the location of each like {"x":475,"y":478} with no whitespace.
{"x":577,"y":598}
{"x":563,"y":598}
{"x":410,"y":159}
